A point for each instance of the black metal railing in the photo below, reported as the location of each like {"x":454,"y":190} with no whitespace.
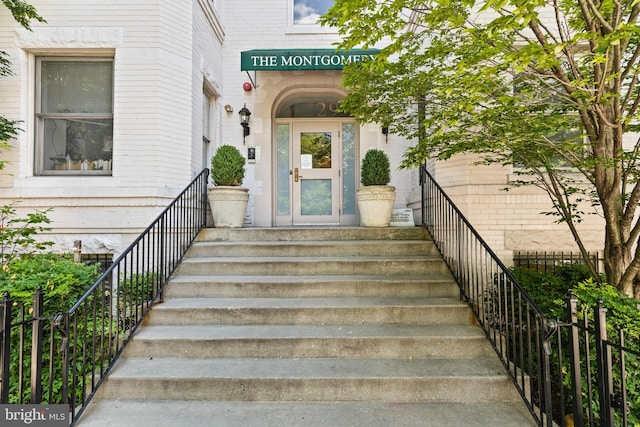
{"x":69,"y":354}
{"x":552,"y":362}
{"x":551,"y":262}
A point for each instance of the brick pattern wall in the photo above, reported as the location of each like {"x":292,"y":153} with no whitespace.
{"x":154,"y":128}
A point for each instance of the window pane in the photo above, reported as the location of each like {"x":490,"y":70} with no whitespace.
{"x":284,"y":199}
{"x":348,"y":169}
{"x":206,"y":116}
{"x":316,"y":147}
{"x":326,"y":106}
{"x":315,"y":197}
{"x":76,"y":145}
{"x":76,"y":87}
{"x":307,"y":12}
{"x":75,"y":117}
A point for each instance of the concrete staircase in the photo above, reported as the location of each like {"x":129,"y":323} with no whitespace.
{"x":309,"y":327}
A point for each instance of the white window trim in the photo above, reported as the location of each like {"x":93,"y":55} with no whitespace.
{"x":37,"y":168}
{"x":304,"y":29}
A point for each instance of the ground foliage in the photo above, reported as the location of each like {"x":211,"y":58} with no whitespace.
{"x":18,"y":234}
{"x":550,"y":290}
{"x":62,"y":282}
{"x":24,"y":270}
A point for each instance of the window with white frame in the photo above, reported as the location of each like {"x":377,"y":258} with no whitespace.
{"x":573,"y":135}
{"x":207,"y":100}
{"x":74,"y":116}
{"x":207,"y":118}
{"x":304,"y":15}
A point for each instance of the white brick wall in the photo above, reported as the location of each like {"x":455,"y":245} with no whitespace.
{"x":155,"y":133}
{"x":207,"y":68}
{"x":510,"y":220}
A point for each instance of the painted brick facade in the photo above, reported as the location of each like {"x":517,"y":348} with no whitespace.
{"x":158,"y":82}
{"x":167,"y":54}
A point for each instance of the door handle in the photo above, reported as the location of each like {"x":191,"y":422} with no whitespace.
{"x":296,"y":175}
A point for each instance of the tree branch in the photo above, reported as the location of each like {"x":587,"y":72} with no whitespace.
{"x":557,"y":192}
{"x":596,"y":13}
{"x":630,"y":213}
{"x":630,"y":65}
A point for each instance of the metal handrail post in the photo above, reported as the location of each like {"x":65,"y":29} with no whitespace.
{"x":36,"y":347}
{"x":603,"y":354}
{"x":5,"y":351}
{"x":574,"y":358}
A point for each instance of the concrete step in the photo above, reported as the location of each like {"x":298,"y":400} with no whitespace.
{"x":284,"y":234}
{"x":315,"y":327}
{"x":275,"y":265}
{"x":309,"y":341}
{"x":309,"y":311}
{"x":175,"y":413}
{"x":323,"y":248}
{"x":301,"y":286}
{"x":286,"y":379}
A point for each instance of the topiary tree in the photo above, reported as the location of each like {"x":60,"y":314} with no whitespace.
{"x":375,"y":168}
{"x":227,"y":166}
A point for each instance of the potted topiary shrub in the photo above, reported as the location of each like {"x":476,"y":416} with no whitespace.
{"x":228,"y":200}
{"x":375,"y":198}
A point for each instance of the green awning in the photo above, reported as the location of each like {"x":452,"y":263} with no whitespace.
{"x":302,"y":59}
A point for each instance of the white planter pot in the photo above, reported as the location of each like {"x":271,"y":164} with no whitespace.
{"x":375,"y":203}
{"x":228,"y":206}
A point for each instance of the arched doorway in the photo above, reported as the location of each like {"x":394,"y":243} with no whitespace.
{"x":315,"y":161}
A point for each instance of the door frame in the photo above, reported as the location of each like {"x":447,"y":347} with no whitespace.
{"x":288,"y":220}
{"x":302,"y":173}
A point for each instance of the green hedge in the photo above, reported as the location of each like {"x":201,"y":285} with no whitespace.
{"x":63,"y":282}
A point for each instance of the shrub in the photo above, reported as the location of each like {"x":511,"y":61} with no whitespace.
{"x":17,"y":235}
{"x":375,"y":168}
{"x":227,"y":166}
{"x":549,"y":292}
{"x":63,"y":282}
{"x":622,"y":311}
{"x":135,"y":293}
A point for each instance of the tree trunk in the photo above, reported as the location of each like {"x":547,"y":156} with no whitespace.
{"x":617,"y":259}
{"x":620,"y":261}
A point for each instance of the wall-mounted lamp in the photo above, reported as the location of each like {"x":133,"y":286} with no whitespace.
{"x":385,"y":132}
{"x":244,"y":121}
{"x":228,"y":108}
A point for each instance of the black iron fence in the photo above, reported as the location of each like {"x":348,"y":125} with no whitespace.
{"x":550,"y":262}
{"x":568,"y":371}
{"x":103,"y":260}
{"x":63,"y":358}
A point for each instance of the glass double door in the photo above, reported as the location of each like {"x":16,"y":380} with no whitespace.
{"x":316,"y":173}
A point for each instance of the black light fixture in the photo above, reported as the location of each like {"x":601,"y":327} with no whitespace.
{"x":385,"y":132}
{"x":244,"y":121}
